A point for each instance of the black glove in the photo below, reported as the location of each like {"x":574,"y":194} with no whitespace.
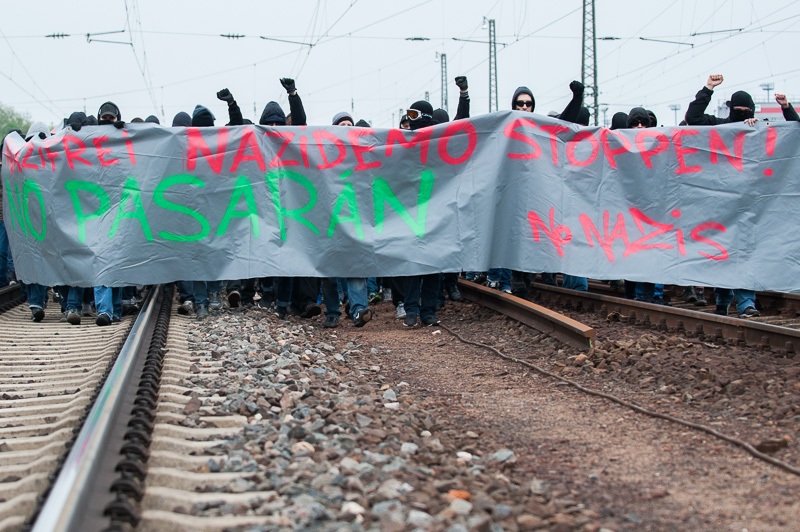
{"x":576,"y":87}
{"x":461,"y":81}
{"x":288,"y":84}
{"x":119,"y":124}
{"x":226,"y":96}
{"x":76,"y":126}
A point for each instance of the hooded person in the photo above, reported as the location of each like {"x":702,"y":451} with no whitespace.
{"x":741,"y":105}
{"x":202,"y":117}
{"x":273,"y":114}
{"x":653,"y":118}
{"x":362,"y":123}
{"x":182,"y":119}
{"x":619,"y":120}
{"x":234,"y":112}
{"x":153,"y":119}
{"x":638,"y":118}
{"x":109,"y":113}
{"x":789,"y":114}
{"x":37,"y":294}
{"x":440,"y":116}
{"x":420,"y":114}
{"x":523,"y":104}
{"x":77,"y":120}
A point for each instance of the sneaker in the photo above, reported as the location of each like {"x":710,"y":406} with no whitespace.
{"x":387,"y":294}
{"x":400,"y":312}
{"x":493,"y":284}
{"x":37,"y":314}
{"x":453,"y":293}
{"x":214,"y":301}
{"x":506,"y":290}
{"x":202,"y":311}
{"x":331,"y":322}
{"x":722,"y":310}
{"x":129,"y":306}
{"x":233,"y":298}
{"x":281,"y":312}
{"x":265,"y":302}
{"x":410,"y":320}
{"x":689,"y":295}
{"x":86,"y":310}
{"x":362,"y":317}
{"x":103,"y":319}
{"x":186,"y":308}
{"x":429,"y":321}
{"x":749,"y":312}
{"x":701,"y":298}
{"x":374,"y":297}
{"x":311,"y":310}
{"x":73,"y":317}
{"x":479,"y":279}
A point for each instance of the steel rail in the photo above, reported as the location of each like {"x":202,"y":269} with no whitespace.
{"x":667,"y":318}
{"x":540,"y":318}
{"x":66,"y":504}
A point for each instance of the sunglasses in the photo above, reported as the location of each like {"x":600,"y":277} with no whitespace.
{"x":523,"y":103}
{"x":413,"y":114}
{"x":640,"y":122}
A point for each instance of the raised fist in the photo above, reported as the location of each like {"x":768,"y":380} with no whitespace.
{"x":225,"y":95}
{"x":461,"y":81}
{"x":288,"y":84}
{"x":576,"y":87}
{"x":713,"y":81}
{"x":781,"y":99}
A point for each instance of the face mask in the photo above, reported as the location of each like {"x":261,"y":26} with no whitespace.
{"x":738,"y":115}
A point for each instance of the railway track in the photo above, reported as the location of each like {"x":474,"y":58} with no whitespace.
{"x":138,"y":463}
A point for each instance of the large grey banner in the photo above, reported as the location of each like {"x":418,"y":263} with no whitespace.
{"x":149,"y":204}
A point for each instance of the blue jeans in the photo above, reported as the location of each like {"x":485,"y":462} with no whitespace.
{"x":499,"y":275}
{"x":575,"y":283}
{"x":3,"y":255}
{"x":372,"y":285}
{"x":283,"y":291}
{"x":201,"y":290}
{"x":744,"y":298}
{"x":108,"y":301}
{"x":422,"y":293}
{"x":37,"y":295}
{"x":74,"y":298}
{"x":357,"y":293}
{"x":185,"y":290}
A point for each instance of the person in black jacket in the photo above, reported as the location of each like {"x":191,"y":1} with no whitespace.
{"x":788,"y":111}
{"x":742,"y":107}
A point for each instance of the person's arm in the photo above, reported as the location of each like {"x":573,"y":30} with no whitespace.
{"x":463,"y":98}
{"x":234,"y":113}
{"x":295,"y":103}
{"x":789,"y":114}
{"x":573,"y":108}
{"x":695,"y":113}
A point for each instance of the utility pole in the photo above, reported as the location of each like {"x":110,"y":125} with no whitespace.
{"x":444,"y":81}
{"x":675,"y":108}
{"x":492,"y":68}
{"x":589,"y":60}
{"x":427,"y":96}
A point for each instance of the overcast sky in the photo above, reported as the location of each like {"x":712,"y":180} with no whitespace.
{"x":355,"y":55}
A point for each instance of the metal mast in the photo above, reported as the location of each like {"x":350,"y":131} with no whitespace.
{"x":492,"y":68}
{"x":589,"y":61}
{"x":444,"y":81}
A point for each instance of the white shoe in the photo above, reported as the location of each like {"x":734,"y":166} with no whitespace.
{"x":401,"y":312}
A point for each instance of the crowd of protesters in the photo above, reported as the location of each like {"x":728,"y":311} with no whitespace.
{"x":416,"y":298}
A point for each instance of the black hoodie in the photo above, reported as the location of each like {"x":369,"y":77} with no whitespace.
{"x":523,"y":90}
{"x":638,"y":114}
{"x":182,"y":119}
{"x":695,"y":113}
{"x":273,"y":112}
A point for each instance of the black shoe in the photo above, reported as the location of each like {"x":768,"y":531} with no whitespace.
{"x":265,"y":302}
{"x":186,"y":308}
{"x":281,"y":312}
{"x":749,"y":312}
{"x":129,"y":308}
{"x":410,"y":320}
{"x":103,"y":319}
{"x":233,"y":298}
{"x":362,"y":317}
{"x":430,"y":321}
{"x":311,"y":310}
{"x":722,"y":310}
{"x":331,"y":322}
{"x":37,"y":314}
{"x":453,"y":293}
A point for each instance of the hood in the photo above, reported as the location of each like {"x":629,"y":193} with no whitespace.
{"x":741,"y":99}
{"x":583,"y":117}
{"x":339,"y":117}
{"x":202,"y":117}
{"x":653,"y":118}
{"x":109,"y":108}
{"x":272,"y":113}
{"x":619,"y":120}
{"x":425,"y":108}
{"x":362,"y":123}
{"x":638,"y":114}
{"x":78,"y":117}
{"x":441,"y":116}
{"x":523,"y":90}
{"x":37,"y":129}
{"x":182,"y":119}
{"x":152,"y":119}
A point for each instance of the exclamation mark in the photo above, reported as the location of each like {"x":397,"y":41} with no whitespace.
{"x":771,"y":136}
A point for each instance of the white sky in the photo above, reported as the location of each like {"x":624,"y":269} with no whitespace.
{"x":360,"y":56}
